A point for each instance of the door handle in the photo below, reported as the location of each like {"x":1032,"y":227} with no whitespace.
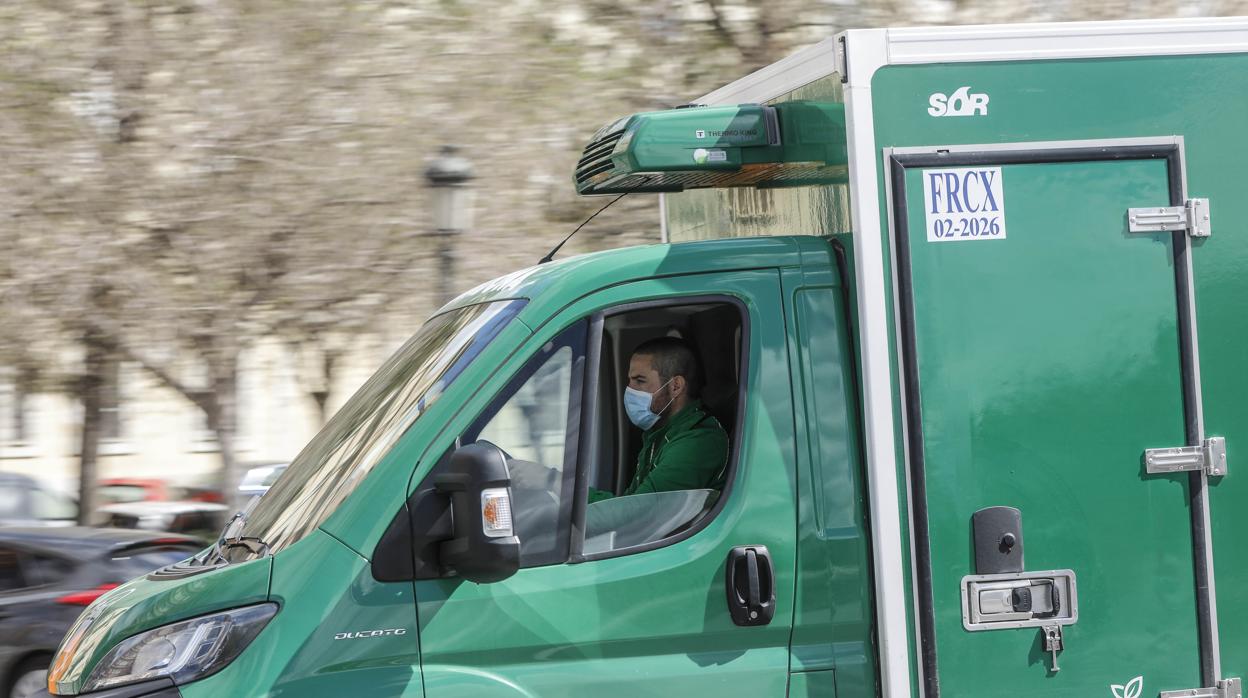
{"x":751,"y":585}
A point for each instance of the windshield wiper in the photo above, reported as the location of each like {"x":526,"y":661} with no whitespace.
{"x":251,"y":544}
{"x":231,"y":537}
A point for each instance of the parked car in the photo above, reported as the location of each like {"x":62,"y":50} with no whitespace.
{"x":116,"y":490}
{"x":48,"y":575}
{"x":200,"y":493}
{"x":24,"y":502}
{"x":119,"y":490}
{"x":203,"y":519}
{"x":258,"y":479}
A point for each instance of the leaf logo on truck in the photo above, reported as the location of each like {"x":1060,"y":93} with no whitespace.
{"x":961,"y":103}
{"x":1131,"y":690}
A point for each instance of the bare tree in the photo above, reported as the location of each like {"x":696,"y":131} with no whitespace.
{"x":200,"y":177}
{"x":184,"y":178}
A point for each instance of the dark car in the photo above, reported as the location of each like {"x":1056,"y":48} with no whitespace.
{"x":47,"y":577}
{"x":202,"y":519}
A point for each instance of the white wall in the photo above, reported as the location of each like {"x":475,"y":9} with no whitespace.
{"x":163,"y":435}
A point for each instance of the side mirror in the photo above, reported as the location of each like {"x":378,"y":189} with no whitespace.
{"x":484,"y":547}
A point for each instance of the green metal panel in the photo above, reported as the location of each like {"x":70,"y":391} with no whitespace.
{"x":650,"y":623}
{"x":551,"y":287}
{"x":813,"y":684}
{"x":326,"y":591}
{"x":1048,"y":361}
{"x":1115,"y":98}
{"x":795,"y":143}
{"x":833,"y":625}
{"x":142,"y":604}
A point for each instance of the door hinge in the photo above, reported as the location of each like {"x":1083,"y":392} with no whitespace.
{"x":1192,"y":217}
{"x":1209,"y":457}
{"x":1226,"y":688}
{"x":840,"y":59}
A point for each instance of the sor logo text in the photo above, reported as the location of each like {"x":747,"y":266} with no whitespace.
{"x":961,"y":103}
{"x":359,"y":635}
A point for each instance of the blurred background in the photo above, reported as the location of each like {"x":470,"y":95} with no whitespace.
{"x":218,"y":216}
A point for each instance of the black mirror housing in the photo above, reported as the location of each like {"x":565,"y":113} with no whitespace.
{"x":484,"y":547}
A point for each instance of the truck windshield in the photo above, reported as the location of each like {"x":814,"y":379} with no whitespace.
{"x":356,"y":438}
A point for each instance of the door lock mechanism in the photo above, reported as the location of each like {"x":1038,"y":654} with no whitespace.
{"x":1044,"y":600}
{"x":1019,"y":600}
{"x":1001,"y":595}
{"x":1053,"y":643}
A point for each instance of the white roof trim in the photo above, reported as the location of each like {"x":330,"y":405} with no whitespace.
{"x":781,"y":77}
{"x":1151,"y":37}
{"x":989,"y":42}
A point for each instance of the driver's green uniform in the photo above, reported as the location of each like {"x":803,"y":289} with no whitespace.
{"x":689,"y":452}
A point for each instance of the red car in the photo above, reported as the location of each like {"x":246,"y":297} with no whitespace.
{"x":118,"y":490}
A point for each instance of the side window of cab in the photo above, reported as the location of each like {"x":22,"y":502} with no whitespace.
{"x":534,"y":422}
{"x":590,"y":476}
{"x":667,"y":409}
{"x":533,"y":426}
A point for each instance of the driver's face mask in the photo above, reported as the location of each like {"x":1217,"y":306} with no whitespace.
{"x":637,"y":406}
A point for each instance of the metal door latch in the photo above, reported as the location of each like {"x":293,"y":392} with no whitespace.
{"x":1019,"y":600}
{"x":1209,"y":457}
{"x":1053,"y":644}
{"x":1226,"y":688}
{"x":1192,"y":217}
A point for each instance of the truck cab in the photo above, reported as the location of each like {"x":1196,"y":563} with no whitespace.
{"x":369,"y":569}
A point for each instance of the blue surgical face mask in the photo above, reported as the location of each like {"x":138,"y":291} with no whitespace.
{"x":637,"y":406}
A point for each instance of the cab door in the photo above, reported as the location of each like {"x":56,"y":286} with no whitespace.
{"x":652,"y":619}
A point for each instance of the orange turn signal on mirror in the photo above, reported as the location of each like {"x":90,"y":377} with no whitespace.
{"x":496,"y":512}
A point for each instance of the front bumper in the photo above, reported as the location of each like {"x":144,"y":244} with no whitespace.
{"x":159,"y":688}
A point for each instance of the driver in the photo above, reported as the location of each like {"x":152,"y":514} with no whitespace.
{"x":683,"y":447}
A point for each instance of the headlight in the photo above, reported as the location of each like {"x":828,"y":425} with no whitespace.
{"x":184,"y":651}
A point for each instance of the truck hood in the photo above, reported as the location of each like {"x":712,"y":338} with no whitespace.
{"x":142,"y":604}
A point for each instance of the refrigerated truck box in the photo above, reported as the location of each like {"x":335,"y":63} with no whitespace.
{"x":1050,"y":237}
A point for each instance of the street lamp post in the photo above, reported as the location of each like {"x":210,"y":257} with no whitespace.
{"x":448,"y":177}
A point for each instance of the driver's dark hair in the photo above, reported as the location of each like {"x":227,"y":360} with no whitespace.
{"x":672,"y":356}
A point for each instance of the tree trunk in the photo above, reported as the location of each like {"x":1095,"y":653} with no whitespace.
{"x":321,"y":398}
{"x":218,"y":400}
{"x":329,"y":360}
{"x":90,"y":393}
{"x":223,"y":420}
{"x":229,"y":476}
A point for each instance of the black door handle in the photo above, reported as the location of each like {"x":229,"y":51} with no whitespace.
{"x":751,"y":585}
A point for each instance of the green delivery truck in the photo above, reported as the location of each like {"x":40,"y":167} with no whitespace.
{"x":970,"y":303}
